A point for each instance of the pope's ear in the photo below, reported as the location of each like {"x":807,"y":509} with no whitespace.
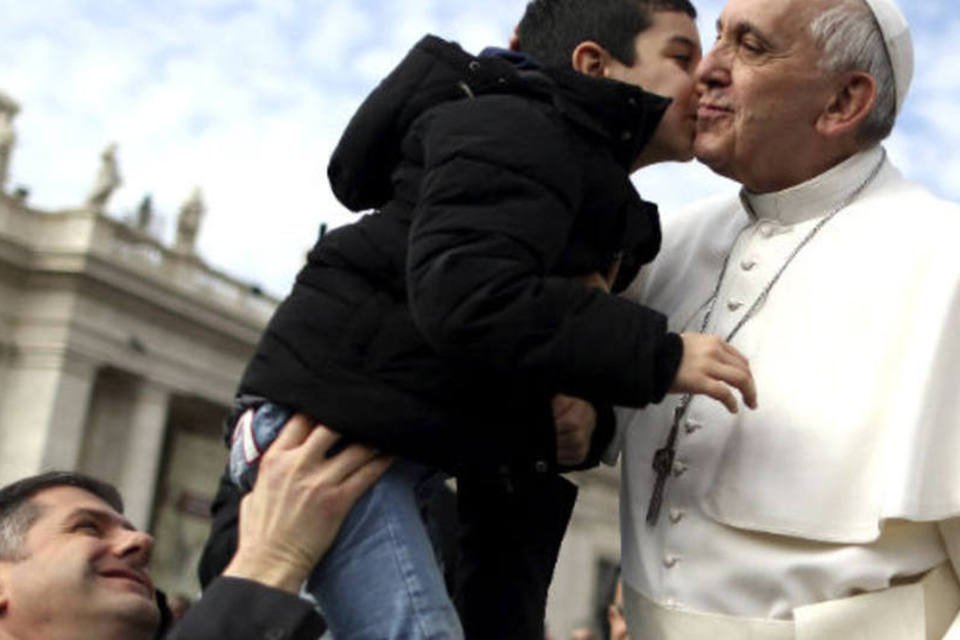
{"x":589,"y":58}
{"x":853,"y":100}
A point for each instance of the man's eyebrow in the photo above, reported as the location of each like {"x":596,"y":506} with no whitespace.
{"x":685,"y":41}
{"x":101,"y":515}
{"x":744,"y":27}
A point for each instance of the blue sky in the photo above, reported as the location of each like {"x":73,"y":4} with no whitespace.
{"x":246,"y":98}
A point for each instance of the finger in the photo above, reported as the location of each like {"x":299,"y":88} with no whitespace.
{"x":560,"y":404}
{"x":566,"y":441}
{"x":749,"y":392}
{"x":720,"y":391}
{"x":584,"y":413}
{"x":613,"y":272}
{"x":734,"y":376}
{"x":336,"y":469}
{"x":571,"y":457}
{"x":364,"y":476}
{"x":596,"y":281}
{"x":573,"y":443}
{"x":740,"y":378}
{"x":318,"y":443}
{"x":564,"y":427}
{"x":293,"y":433}
{"x":732,"y":356}
{"x":566,"y":455}
{"x":574,"y":434}
{"x":574,"y":410}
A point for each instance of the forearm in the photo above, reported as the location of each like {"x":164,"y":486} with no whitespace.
{"x":259,"y":567}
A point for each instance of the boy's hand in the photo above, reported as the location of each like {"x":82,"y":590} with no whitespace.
{"x":574,"y":420}
{"x":711,"y":367}
{"x":598,"y":280}
{"x":298,"y":503}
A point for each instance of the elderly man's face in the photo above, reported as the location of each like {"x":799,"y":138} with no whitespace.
{"x":81,"y":573}
{"x":761,"y":94}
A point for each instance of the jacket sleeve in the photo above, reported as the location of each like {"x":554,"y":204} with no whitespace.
{"x":245,"y":610}
{"x":499,"y":195}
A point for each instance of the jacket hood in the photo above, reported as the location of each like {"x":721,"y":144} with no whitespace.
{"x":437,"y":71}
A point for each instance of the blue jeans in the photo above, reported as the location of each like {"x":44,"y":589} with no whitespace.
{"x":380,"y":579}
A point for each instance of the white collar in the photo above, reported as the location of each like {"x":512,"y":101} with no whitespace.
{"x":815,"y":197}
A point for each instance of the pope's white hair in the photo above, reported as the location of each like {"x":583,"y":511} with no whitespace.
{"x":850,"y":39}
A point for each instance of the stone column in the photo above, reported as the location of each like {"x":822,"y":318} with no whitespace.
{"x":144,"y":451}
{"x":43,"y":413}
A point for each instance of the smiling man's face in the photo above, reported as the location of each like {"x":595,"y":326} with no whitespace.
{"x":80,"y":573}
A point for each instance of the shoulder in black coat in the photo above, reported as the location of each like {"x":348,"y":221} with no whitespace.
{"x":245,"y":610}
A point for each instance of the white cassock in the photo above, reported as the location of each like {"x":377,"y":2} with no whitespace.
{"x":846,"y":480}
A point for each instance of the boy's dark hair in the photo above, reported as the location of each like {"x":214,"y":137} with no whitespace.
{"x":551,"y":29}
{"x":18,"y":512}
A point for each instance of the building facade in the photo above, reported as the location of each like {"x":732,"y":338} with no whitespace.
{"x":119,"y":357}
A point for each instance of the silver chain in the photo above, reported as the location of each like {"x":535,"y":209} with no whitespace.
{"x":664,"y":456}
{"x":712,"y":301}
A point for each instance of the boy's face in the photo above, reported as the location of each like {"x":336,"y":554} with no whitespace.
{"x":667,"y":54}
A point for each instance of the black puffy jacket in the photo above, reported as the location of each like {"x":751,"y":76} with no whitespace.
{"x":439,"y":325}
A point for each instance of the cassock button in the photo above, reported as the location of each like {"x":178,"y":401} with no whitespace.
{"x":692,"y":426}
{"x":766,"y":230}
{"x":734,"y":305}
{"x":676,"y":515}
{"x":748,"y":264}
{"x":679,"y":468}
{"x":670,"y":561}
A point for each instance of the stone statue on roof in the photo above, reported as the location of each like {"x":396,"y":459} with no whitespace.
{"x":188,"y":222}
{"x":144,"y":217}
{"x":108,"y":179}
{"x":8,"y":137}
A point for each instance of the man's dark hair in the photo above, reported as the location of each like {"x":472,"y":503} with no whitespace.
{"x":551,"y":29}
{"x":18,"y":512}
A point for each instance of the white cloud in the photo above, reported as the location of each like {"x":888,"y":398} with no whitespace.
{"x":247,"y":98}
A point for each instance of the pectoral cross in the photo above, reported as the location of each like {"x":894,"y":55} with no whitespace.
{"x":663,"y":463}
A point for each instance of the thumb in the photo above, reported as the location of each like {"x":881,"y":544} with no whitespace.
{"x":560,"y":404}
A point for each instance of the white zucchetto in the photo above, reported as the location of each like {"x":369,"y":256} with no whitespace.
{"x":896,"y":37}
